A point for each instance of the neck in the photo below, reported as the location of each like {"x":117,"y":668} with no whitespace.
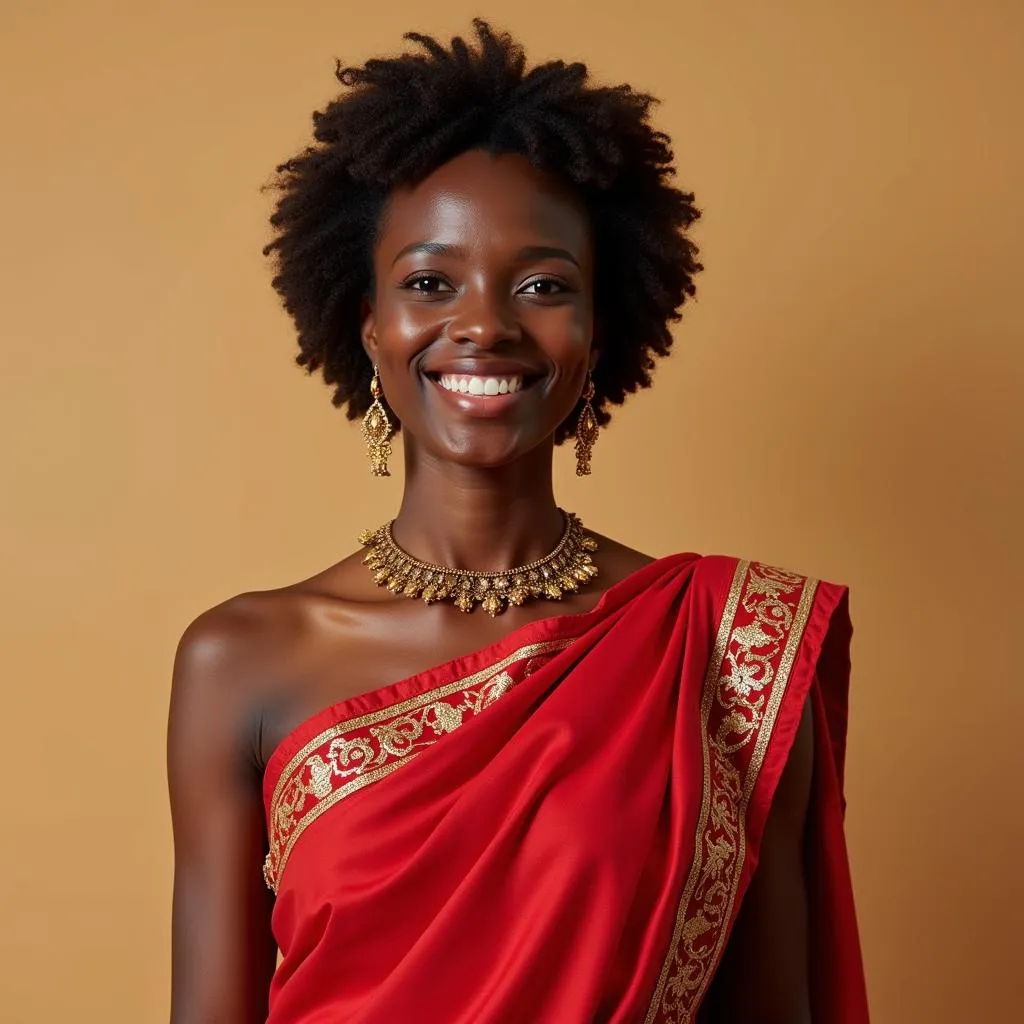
{"x":484,"y":520}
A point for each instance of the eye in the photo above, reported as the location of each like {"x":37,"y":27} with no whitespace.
{"x":542,"y":287}
{"x":428,"y":284}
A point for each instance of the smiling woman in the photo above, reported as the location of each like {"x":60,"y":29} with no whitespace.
{"x":496,"y":289}
{"x":447,"y":803}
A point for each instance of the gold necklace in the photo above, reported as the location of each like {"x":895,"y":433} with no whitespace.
{"x":564,"y":570}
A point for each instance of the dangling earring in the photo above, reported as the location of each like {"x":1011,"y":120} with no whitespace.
{"x":586,"y":430}
{"x":377,"y":430}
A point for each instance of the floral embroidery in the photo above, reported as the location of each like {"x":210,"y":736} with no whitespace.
{"x":357,"y":752}
{"x":761,"y":628}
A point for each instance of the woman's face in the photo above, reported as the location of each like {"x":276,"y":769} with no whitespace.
{"x":482,"y":316}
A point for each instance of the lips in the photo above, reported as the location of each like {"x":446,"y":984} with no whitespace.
{"x":484,"y":389}
{"x":492,"y":378}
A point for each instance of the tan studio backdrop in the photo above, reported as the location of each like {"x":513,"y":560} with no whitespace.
{"x":844,"y":401}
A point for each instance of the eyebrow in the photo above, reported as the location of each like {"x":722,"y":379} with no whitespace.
{"x":547,"y":252}
{"x":530,"y":252}
{"x":430,"y":249}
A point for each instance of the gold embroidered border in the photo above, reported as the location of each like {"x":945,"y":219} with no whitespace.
{"x":762,"y":625}
{"x":368,"y":748}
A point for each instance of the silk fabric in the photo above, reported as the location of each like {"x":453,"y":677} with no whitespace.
{"x":561,"y":827}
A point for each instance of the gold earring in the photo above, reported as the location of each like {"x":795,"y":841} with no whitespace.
{"x":586,"y":430}
{"x":377,"y":430}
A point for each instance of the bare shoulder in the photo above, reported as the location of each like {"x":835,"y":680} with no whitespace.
{"x":226,"y":642}
{"x":214,"y":682}
{"x":246,"y":645}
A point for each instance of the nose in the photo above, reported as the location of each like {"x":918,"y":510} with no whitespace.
{"x":484,"y":318}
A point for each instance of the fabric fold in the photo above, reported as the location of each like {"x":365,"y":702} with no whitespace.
{"x":561,"y":827}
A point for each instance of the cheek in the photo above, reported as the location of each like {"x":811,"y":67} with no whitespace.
{"x":566,"y":320}
{"x":566,"y":335}
{"x":403,"y":330}
{"x":401,"y":323}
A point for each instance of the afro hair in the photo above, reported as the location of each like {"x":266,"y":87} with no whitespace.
{"x":400,"y":118}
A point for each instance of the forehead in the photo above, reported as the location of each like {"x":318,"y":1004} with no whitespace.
{"x":481,"y":198}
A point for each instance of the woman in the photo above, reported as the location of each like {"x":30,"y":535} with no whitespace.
{"x":623,"y":806}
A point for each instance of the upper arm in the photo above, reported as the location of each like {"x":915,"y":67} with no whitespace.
{"x":222,"y":951}
{"x":763,"y":977}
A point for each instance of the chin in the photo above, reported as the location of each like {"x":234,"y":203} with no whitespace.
{"x":484,"y":449}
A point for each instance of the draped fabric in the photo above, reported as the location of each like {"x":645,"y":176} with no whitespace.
{"x":562,"y":827}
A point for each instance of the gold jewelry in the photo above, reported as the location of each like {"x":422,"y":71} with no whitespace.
{"x":564,"y":570}
{"x":377,"y":430}
{"x":586,"y":430}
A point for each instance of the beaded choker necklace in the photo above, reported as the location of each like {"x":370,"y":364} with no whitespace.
{"x":562,"y":571}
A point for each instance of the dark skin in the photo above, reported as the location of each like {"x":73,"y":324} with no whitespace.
{"x":484,"y":268}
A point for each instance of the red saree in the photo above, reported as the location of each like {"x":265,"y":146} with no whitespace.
{"x":561,"y":827}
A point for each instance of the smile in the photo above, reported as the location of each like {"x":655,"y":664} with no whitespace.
{"x":489,"y":387}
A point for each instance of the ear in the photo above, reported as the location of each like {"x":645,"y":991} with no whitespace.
{"x":368,"y":329}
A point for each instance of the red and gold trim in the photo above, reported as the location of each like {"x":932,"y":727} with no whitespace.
{"x":358,"y":752}
{"x":760,"y":631}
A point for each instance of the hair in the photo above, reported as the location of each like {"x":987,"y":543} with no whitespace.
{"x":402,"y":117}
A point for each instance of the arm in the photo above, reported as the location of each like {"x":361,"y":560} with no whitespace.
{"x":223,"y":954}
{"x":763,"y":978}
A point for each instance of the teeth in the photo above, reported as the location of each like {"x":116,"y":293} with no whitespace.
{"x":489,"y":386}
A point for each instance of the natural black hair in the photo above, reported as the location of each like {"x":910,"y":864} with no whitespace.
{"x":401,"y":117}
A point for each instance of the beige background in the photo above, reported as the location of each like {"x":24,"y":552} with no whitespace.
{"x":844,"y":401}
